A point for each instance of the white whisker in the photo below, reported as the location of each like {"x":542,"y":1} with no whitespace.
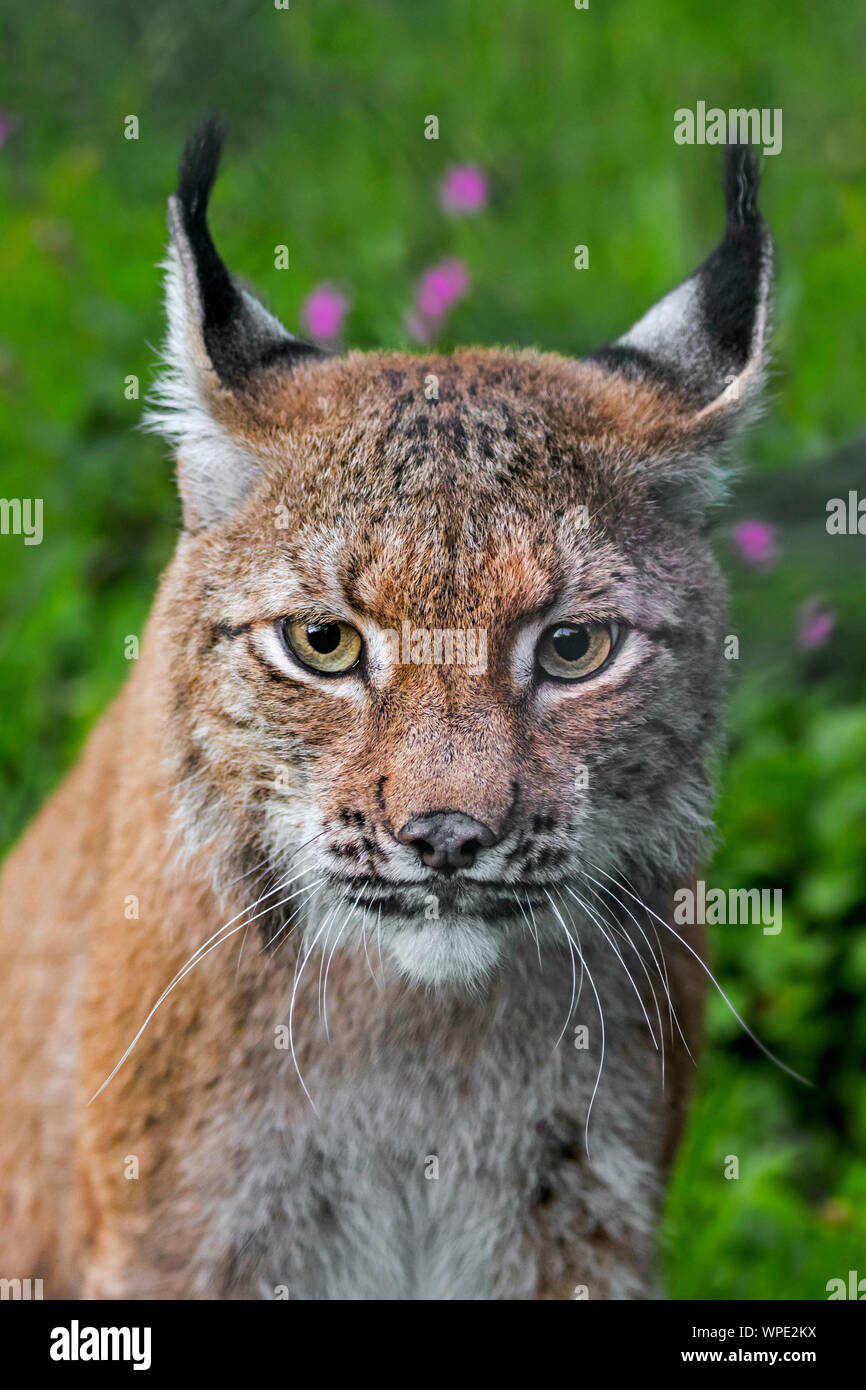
{"x":662,"y":970}
{"x":338,"y":903}
{"x":573,"y":991}
{"x":300,"y":966}
{"x":745,"y":1027}
{"x":379,"y":944}
{"x":586,"y":907}
{"x":601,"y":1021}
{"x":187,"y":968}
{"x":343,"y":926}
{"x":533,"y":933}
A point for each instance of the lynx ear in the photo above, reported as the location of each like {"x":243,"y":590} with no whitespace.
{"x":219,"y":340}
{"x":708,"y":338}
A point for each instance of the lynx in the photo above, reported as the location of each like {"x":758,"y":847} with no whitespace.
{"x":332,"y":974}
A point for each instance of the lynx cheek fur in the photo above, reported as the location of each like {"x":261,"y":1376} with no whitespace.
{"x":404,"y":919}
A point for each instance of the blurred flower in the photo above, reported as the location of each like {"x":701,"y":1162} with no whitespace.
{"x":416,"y":328}
{"x":8,"y":123}
{"x":755,"y":541}
{"x":323,"y":312}
{"x":438,"y":290}
{"x":463,"y":189}
{"x":814,"y":625}
{"x":442,"y":286}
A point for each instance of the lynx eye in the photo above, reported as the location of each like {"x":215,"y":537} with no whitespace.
{"x":573,"y":651}
{"x":330,"y":648}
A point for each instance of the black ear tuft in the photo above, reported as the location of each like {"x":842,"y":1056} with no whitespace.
{"x":217,"y":293}
{"x":239,"y":335}
{"x":740,"y":183}
{"x":731,"y":278}
{"x":708,"y":337}
{"x":198,"y":169}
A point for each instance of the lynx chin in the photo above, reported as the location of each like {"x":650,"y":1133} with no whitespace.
{"x":388,"y":909}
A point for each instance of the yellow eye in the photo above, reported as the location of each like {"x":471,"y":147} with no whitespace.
{"x":331,"y":648}
{"x":573,"y":651}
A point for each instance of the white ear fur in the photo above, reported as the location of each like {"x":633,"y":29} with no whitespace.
{"x":215,"y":471}
{"x":673,"y":334}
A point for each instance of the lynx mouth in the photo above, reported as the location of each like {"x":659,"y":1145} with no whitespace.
{"x":450,"y":895}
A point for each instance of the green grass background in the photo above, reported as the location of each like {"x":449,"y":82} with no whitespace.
{"x":571,"y":114}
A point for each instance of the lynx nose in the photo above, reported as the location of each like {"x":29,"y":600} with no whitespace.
{"x":446,"y":839}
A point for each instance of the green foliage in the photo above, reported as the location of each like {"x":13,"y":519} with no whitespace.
{"x":571,"y":114}
{"x":792,"y":816}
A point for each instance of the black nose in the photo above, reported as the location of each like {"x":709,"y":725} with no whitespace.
{"x":446,"y":839}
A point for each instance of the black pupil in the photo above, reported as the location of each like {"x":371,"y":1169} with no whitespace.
{"x":323,"y":637}
{"x":570,"y":643}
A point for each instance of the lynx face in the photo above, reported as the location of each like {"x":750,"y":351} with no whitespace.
{"x":357,"y":526}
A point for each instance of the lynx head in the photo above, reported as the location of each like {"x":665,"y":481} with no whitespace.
{"x":444,"y":633}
